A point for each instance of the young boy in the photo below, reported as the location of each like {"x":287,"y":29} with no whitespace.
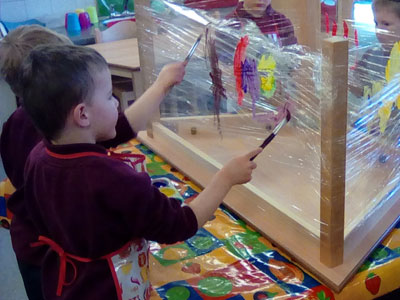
{"x":269,"y":21}
{"x":94,"y":212}
{"x":19,"y":136}
{"x":371,"y":67}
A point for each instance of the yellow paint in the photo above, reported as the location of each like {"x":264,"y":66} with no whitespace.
{"x":393,"y":65}
{"x":267,"y":83}
{"x":384,"y":115}
{"x":265,"y":65}
{"x":392,"y":68}
{"x":377,"y":86}
{"x":367,"y":93}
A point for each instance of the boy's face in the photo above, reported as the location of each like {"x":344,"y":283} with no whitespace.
{"x":387,"y":27}
{"x":256,"y":5}
{"x":103,"y":107}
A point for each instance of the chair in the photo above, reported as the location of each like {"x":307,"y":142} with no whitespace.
{"x":122,"y":87}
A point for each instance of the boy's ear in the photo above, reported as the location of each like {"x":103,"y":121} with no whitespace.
{"x":81,"y":115}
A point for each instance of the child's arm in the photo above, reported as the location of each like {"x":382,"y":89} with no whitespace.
{"x":237,"y":171}
{"x":140,"y":112}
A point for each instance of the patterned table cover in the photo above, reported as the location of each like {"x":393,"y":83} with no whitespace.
{"x":227,"y":259}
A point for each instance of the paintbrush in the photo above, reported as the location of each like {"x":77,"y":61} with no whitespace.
{"x":274,"y":132}
{"x":193,"y":49}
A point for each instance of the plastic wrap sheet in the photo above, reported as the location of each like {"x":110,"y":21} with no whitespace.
{"x":373,"y":138}
{"x":236,"y":88}
{"x":227,"y":259}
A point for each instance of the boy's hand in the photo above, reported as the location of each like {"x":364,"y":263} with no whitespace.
{"x":239,"y":169}
{"x":171,"y":74}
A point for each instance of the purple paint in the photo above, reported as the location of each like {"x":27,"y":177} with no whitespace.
{"x":216,"y":76}
{"x":251,"y":81}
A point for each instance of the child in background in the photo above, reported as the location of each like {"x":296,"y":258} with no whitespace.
{"x":19,"y":137}
{"x":269,"y":21}
{"x":373,"y":63}
{"x":372,"y":68}
{"x":93,"y":211}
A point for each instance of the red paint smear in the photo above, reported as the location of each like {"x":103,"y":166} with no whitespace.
{"x":345,"y":30}
{"x":326,"y":22}
{"x":240,"y":54}
{"x":356,"y":37}
{"x":334,"y":28}
{"x":356,"y":42}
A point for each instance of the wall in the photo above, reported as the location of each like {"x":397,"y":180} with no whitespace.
{"x":50,"y":12}
{"x":305,"y":16}
{"x":7,"y":102}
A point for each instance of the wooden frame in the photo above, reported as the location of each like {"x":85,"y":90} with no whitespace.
{"x":334,"y":255}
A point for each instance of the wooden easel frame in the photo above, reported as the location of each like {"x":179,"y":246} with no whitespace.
{"x":331,"y":258}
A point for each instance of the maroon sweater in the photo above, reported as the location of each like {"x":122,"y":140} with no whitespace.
{"x":92,"y":206}
{"x":210,"y":4}
{"x":270,"y":22}
{"x":19,"y":136}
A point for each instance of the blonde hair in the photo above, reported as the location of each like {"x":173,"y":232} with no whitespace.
{"x":393,"y":5}
{"x":17,"y":45}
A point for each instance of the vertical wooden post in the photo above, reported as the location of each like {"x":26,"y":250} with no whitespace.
{"x":333,"y":150}
{"x":146,"y":49}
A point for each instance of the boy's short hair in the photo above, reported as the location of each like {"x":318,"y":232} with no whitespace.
{"x":56,"y":78}
{"x":393,"y":5}
{"x":16,"y":45}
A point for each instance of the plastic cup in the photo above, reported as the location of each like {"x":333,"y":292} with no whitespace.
{"x":73,"y":22}
{"x":79,"y":10}
{"x":84,"y":20}
{"x":91,"y":10}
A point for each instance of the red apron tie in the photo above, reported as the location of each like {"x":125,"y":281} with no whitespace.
{"x":64,"y":259}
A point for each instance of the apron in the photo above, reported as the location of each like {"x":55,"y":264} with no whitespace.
{"x":129,"y":265}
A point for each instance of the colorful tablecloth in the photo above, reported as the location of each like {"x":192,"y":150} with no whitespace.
{"x":227,"y":259}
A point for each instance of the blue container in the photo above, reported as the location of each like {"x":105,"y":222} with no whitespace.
{"x":73,"y":22}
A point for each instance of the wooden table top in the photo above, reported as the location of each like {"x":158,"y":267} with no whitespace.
{"x":121,"y":54}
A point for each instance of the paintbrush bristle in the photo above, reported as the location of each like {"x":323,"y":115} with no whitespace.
{"x":288,"y":115}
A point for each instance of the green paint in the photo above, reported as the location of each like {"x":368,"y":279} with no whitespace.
{"x":215,"y":286}
{"x":178,"y":293}
{"x":203,"y":242}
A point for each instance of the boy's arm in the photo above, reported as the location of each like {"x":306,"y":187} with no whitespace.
{"x":237,"y":171}
{"x":140,"y":112}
